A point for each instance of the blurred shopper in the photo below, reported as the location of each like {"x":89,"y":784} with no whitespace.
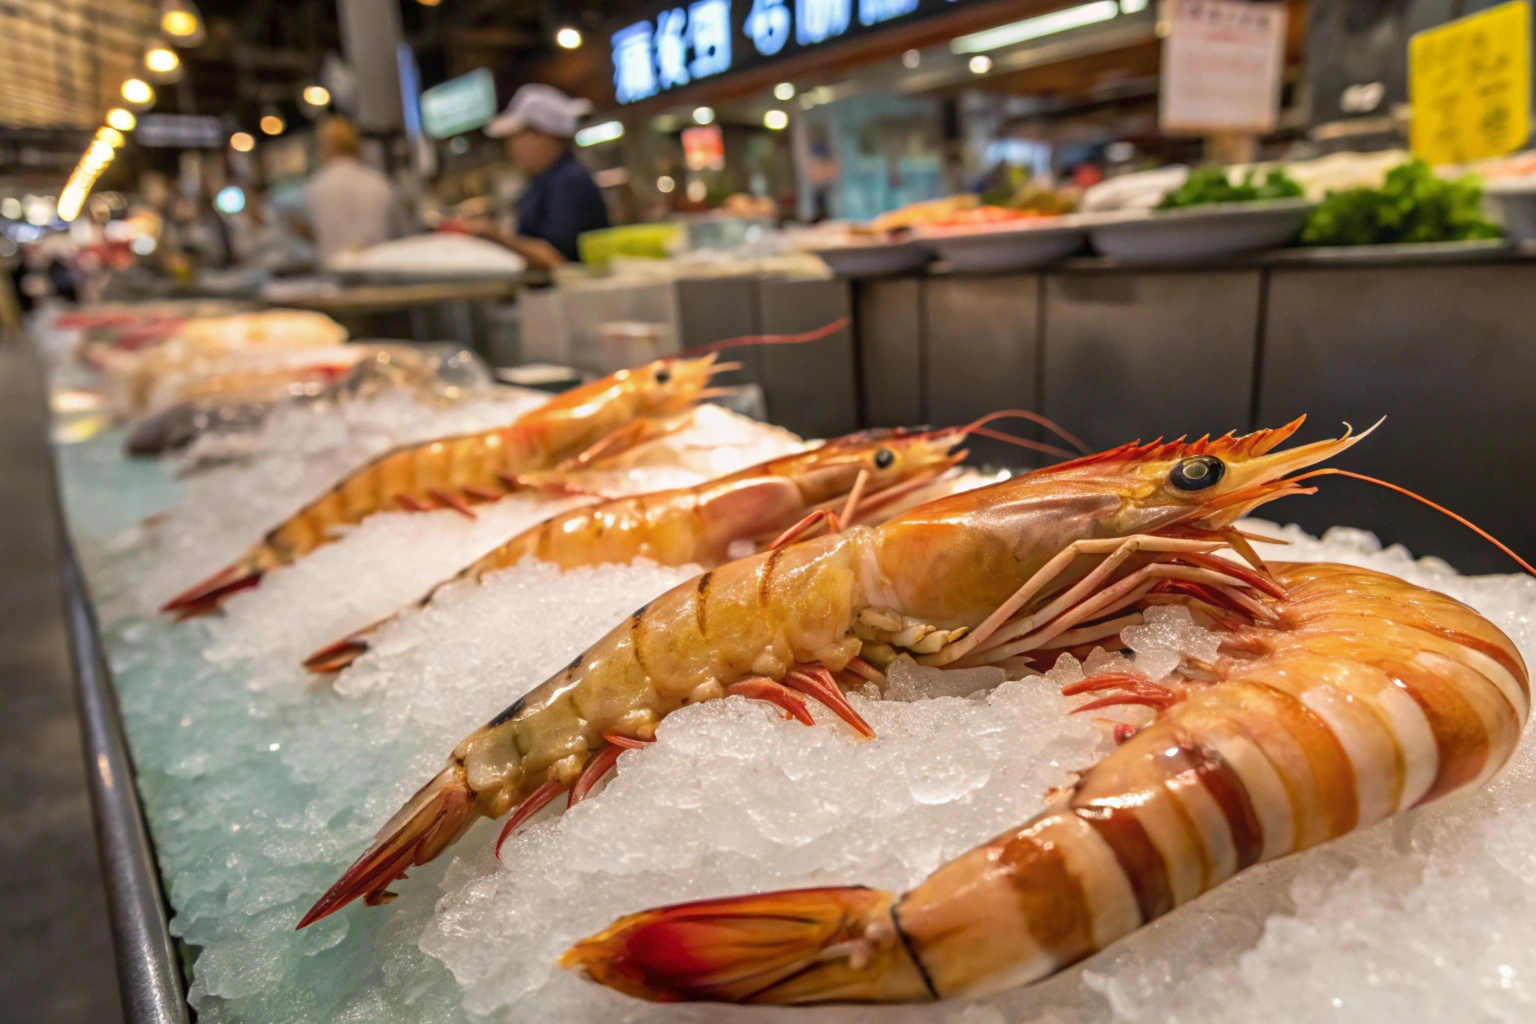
{"x":350,"y":205}
{"x":562,"y":200}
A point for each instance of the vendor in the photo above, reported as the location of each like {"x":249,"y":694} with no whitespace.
{"x":562,"y":200}
{"x":350,"y":205}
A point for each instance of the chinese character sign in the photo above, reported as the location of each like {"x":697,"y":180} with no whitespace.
{"x":1221,"y":66}
{"x":650,"y":57}
{"x":1470,"y":85}
{"x":819,"y":20}
{"x":634,"y":63}
{"x":768,"y":26}
{"x":873,"y":12}
{"x":709,"y":25}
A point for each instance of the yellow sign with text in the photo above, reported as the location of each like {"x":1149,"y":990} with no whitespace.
{"x":1470,"y":85}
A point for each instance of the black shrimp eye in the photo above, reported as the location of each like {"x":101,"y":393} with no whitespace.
{"x":884,"y":458}
{"x":1197,"y":473}
{"x":663,"y":375}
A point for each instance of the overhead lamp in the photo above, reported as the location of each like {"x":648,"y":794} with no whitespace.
{"x":111,"y":136}
{"x":138,"y":92}
{"x":568,"y":38}
{"x":70,"y":202}
{"x":703,"y":115}
{"x":980,"y":64}
{"x":180,"y":21}
{"x":1034,"y":28}
{"x":776,"y":120}
{"x":911,"y":59}
{"x":273,"y":124}
{"x":231,"y":199}
{"x":122,"y":120}
{"x":160,"y":60}
{"x":429,"y":3}
{"x":242,"y":142}
{"x":608,"y":131}
{"x":100,"y":150}
{"x":784,"y":91}
{"x":317,"y":95}
{"x":10,"y":207}
{"x":664,"y":184}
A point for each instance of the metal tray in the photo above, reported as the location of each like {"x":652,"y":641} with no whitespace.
{"x":148,"y":970}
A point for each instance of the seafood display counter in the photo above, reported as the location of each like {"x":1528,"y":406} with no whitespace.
{"x":791,"y":671}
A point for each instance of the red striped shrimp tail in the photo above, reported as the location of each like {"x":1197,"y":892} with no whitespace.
{"x":775,"y":947}
{"x":208,"y":595}
{"x":337,"y":656}
{"x":432,"y":819}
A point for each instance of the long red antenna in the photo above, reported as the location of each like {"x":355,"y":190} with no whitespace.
{"x":1033,"y":417}
{"x":1022,"y":442}
{"x":768,"y":339}
{"x":1469,"y":524}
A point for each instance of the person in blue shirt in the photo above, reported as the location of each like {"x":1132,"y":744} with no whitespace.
{"x":562,"y":200}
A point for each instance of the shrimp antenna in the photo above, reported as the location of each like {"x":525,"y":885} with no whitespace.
{"x":1464,"y":521}
{"x":1022,"y":442}
{"x":768,"y":339}
{"x":1033,"y":417}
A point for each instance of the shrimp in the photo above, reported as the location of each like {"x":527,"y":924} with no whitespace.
{"x":701,"y":524}
{"x":1019,"y":563}
{"x":455,"y":472}
{"x":1355,"y":696}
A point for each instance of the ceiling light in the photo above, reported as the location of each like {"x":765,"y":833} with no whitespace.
{"x":242,"y":142}
{"x":317,"y":95}
{"x":111,"y":136}
{"x":10,"y":206}
{"x":703,"y":115}
{"x":911,"y":59}
{"x":980,"y":64}
{"x":697,"y":191}
{"x":179,"y":20}
{"x":138,"y":92}
{"x":784,"y":91}
{"x":101,"y":151}
{"x":231,"y":199}
{"x":568,"y":38}
{"x":161,"y":59}
{"x":605,"y":132}
{"x":664,"y":184}
{"x":1034,"y":28}
{"x":122,"y":120}
{"x":272,"y":124}
{"x":776,"y":120}
{"x":429,"y":3}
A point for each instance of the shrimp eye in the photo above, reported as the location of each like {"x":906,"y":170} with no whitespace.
{"x":884,"y":458}
{"x":1197,"y":473}
{"x":663,"y":375}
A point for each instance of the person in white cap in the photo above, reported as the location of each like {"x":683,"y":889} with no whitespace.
{"x":562,"y":200}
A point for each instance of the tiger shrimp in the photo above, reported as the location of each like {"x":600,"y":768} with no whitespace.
{"x":1339,"y":697}
{"x":992,"y":573}
{"x":860,"y":474}
{"x":456,"y":472}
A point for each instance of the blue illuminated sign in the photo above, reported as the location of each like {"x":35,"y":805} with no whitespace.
{"x":683,"y":43}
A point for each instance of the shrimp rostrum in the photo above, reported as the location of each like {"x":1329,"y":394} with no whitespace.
{"x":458,"y":472}
{"x":1340,"y":697}
{"x":990,"y":574}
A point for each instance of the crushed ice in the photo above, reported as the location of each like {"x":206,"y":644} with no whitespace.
{"x":258,"y":797}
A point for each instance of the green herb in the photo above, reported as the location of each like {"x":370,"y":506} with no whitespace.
{"x":1413,"y":205}
{"x":1212,"y":185}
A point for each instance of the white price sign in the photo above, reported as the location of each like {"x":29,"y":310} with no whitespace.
{"x":1221,"y":66}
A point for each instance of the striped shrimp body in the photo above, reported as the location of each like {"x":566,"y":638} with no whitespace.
{"x":860,"y":474}
{"x":986,"y":575}
{"x":1360,"y":697}
{"x":456,"y":472}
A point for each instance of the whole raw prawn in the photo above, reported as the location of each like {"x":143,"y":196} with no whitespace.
{"x":1340,"y":697}
{"x":1021,"y":563}
{"x":455,"y":472}
{"x":863,"y":473}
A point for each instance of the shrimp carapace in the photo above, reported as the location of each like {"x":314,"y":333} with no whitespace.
{"x":992,"y":574}
{"x":459,"y":472}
